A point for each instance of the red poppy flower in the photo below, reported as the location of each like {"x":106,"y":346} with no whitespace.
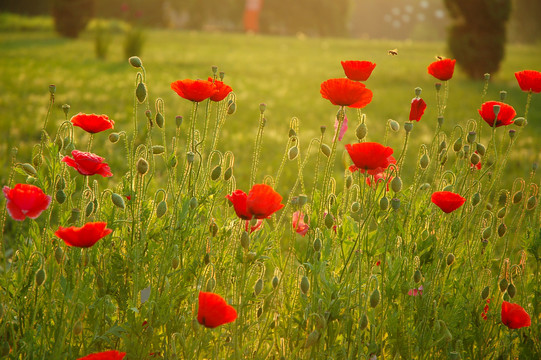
{"x":417,"y":109}
{"x":106,"y":355}
{"x":214,"y":311}
{"x":263,"y":201}
{"x":346,"y":92}
{"x":442,"y":69}
{"x":447,"y":201}
{"x":371,"y":157}
{"x":529,"y":80}
{"x":194,"y":90}
{"x":298,"y":223}
{"x":223,"y":90}
{"x":514,"y":316}
{"x":505,"y":116}
{"x":92,"y":123}
{"x":25,"y":201}
{"x":358,"y":70}
{"x":238,"y":198}
{"x":85,"y":236}
{"x":88,"y":164}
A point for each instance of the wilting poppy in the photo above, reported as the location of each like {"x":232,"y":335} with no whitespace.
{"x":416,"y":292}
{"x":223,"y":90}
{"x":85,"y":236}
{"x":238,"y":198}
{"x":358,"y":70}
{"x":529,"y":80}
{"x":505,"y":116}
{"x":194,"y":90}
{"x":514,"y":316}
{"x":343,"y":128}
{"x":346,"y":92}
{"x":442,"y":69}
{"x":92,"y":123}
{"x":447,"y":201}
{"x":298,"y":223}
{"x":88,"y":164}
{"x":371,"y":157}
{"x":106,"y":355}
{"x":263,"y":201}
{"x":417,"y":109}
{"x":214,"y":311}
{"x":25,"y":200}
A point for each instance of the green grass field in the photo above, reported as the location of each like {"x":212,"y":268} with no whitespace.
{"x":285,"y":73}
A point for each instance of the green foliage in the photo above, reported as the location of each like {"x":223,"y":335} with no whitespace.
{"x":72,"y":16}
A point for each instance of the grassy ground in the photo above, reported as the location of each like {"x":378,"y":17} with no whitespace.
{"x":284,"y":73}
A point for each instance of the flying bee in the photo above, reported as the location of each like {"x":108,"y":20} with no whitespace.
{"x":393,"y":52}
{"x":439,"y":57}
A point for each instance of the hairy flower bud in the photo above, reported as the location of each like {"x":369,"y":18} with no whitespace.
{"x":216,"y":173}
{"x":135,"y":62}
{"x":502,"y":229}
{"x":450,"y":259}
{"x":396,"y":184}
{"x":60,"y":196}
{"x":293,"y":152}
{"x":394,"y":125}
{"x":118,"y":201}
{"x":245,"y":240}
{"x":141,"y":92}
{"x":375,"y":297}
{"x":383,"y":203}
{"x":161,"y":209}
{"x":424,"y":161}
{"x":258,"y":287}
{"x":361,"y":131}
{"x":41,"y":276}
{"x":481,"y":149}
{"x":326,"y":150}
{"x":142,"y":166}
{"x":305,"y":285}
{"x":485,"y":292}
{"x":471,"y":137}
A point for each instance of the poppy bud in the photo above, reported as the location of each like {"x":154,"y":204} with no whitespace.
{"x":206,"y":258}
{"x":424,"y":186}
{"x":31,"y":180}
{"x":517,"y":197}
{"x":361,"y":131}
{"x":322,"y":129}
{"x":502,"y":229}
{"x":450,"y":259}
{"x":135,"y":62}
{"x":501,"y":213}
{"x":395,"y":203}
{"x":417,"y":276}
{"x":178,"y":121}
{"x":375,"y":298}
{"x":502,"y":199}
{"x":418,"y":91}
{"x":496,"y":109}
{"x":222,"y":75}
{"x":118,"y":200}
{"x":487,"y":233}
{"x":396,"y":184}
{"x":329,"y":221}
{"x":60,"y":196}
{"x":305,"y":285}
{"x":292,"y":132}
{"x":466,"y":148}
{"x":511,"y":290}
{"x":37,"y":160}
{"x":312,"y":338}
{"x":457,"y":146}
{"x":175,"y":262}
{"x":383,"y":203}
{"x":190,"y":157}
{"x":503,"y":95}
{"x":275,"y":282}
{"x":394,"y":125}
{"x":303,"y":199}
{"x":59,"y":142}
{"x":408,"y":126}
{"x":193,"y":203}
{"x":437,"y":86}
{"x":158,"y":149}
{"x":443,"y":157}
{"x":227,"y":174}
{"x":440,"y":120}
{"x":216,"y":172}
{"x":66,"y":109}
{"x":519,"y":121}
{"x":172,"y":161}
{"x":356,"y":206}
{"x":487,"y":76}
{"x":89,"y":209}
{"x":481,"y":149}
{"x":293,"y":152}
{"x":326,"y":150}
{"x":443,"y":146}
{"x":503,"y":284}
{"x":161,"y":209}
{"x":364,"y":322}
{"x":245,"y":240}
{"x":142,"y":166}
{"x":423,"y":162}
{"x":471,"y":137}
{"x":29,"y":169}
{"x":512,"y":133}
{"x":58,"y":254}
{"x":485,"y":292}
{"x":160,"y":120}
{"x":532,"y":203}
{"x":317,"y":244}
{"x":475,"y":199}
{"x":448,"y":188}
{"x":114,"y":137}
{"x":40,"y":277}
{"x":211,"y":284}
{"x":349,"y":181}
{"x":214,"y":69}
{"x":258,"y":287}
{"x":141,"y":92}
{"x":262,"y":107}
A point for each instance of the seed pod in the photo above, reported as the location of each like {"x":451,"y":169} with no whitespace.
{"x":450,"y":259}
{"x":457,"y":146}
{"x":417,"y":276}
{"x":317,"y":244}
{"x":216,"y":172}
{"x":245,"y":240}
{"x":193,"y":203}
{"x":227,"y":174}
{"x":172,"y":161}
{"x":305,"y":285}
{"x":481,"y":149}
{"x":303,"y":199}
{"x":361,"y":131}
{"x":29,"y":169}
{"x":211,"y":284}
{"x":394,"y":125}
{"x":395,"y":204}
{"x":517,"y":197}
{"x":396,"y":184}
{"x":158,"y":149}
{"x":312,"y":339}
{"x":485,"y":292}
{"x":532,"y":203}
{"x":475,"y":158}
{"x":383,"y":203}
{"x":519,"y":121}
{"x":59,"y":254}
{"x":142,"y":166}
{"x":424,"y":161}
{"x":487,"y":233}
{"x":135,"y":62}
{"x":329,"y":221}
{"x":114,"y":137}
{"x":476,"y":198}
{"x":175,"y":262}
{"x":231,"y":107}
{"x":275,"y":282}
{"x":364,"y":322}
{"x":501,"y":213}
{"x":141,"y":92}
{"x":89,"y":209}
{"x":349,"y":182}
{"x":60,"y":196}
{"x":161,"y":209}
{"x":503,"y":284}
{"x":118,"y":201}
{"x":502,"y":229}
{"x":77,"y":328}
{"x":326,"y":150}
{"x":190,"y":157}
{"x":160,"y":120}
{"x":356,"y":206}
{"x":258,"y":287}
{"x":511,"y":290}
{"x":41,"y":276}
{"x":293,"y":152}
{"x":471,"y":137}
{"x":375,"y":298}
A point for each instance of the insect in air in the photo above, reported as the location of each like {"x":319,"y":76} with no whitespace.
{"x":393,"y":52}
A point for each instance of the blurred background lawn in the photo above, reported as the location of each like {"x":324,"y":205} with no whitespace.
{"x":283,"y":72}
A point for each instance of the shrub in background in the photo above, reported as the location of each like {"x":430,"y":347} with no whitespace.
{"x":72,"y":16}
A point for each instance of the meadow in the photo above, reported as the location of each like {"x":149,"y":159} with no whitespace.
{"x":241,"y":230}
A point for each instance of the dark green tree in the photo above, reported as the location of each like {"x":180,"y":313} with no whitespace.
{"x":478,"y":34}
{"x":72,"y":16}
